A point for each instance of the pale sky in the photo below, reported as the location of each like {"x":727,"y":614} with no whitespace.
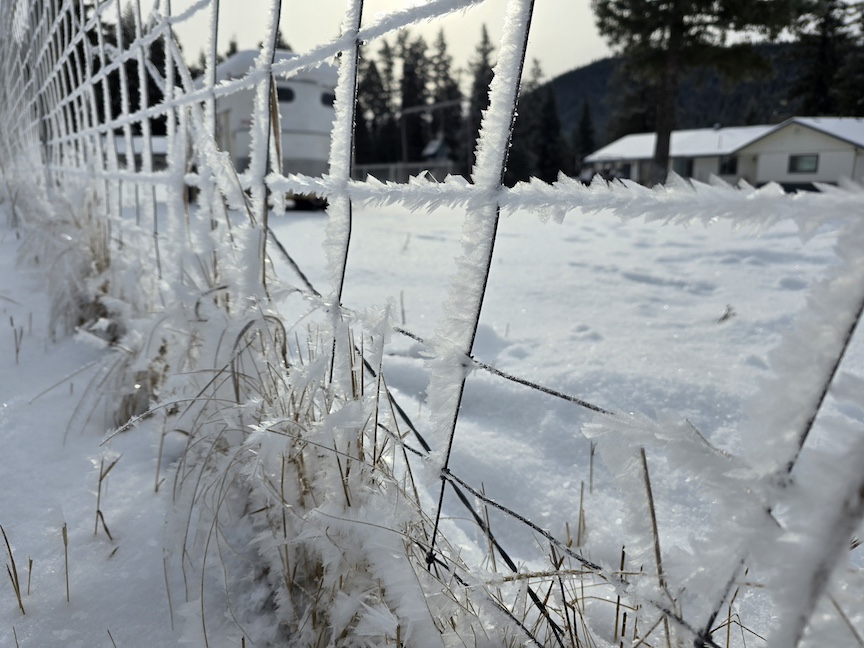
{"x":563,"y":35}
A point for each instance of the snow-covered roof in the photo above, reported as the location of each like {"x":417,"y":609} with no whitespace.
{"x":240,"y":63}
{"x":849,"y":129}
{"x":700,"y":142}
{"x":711,"y":142}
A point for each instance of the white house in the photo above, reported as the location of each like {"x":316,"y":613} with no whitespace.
{"x":795,"y":153}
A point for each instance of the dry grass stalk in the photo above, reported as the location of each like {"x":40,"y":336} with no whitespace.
{"x":13,"y":572}
{"x":618,"y":597}
{"x":18,"y":335}
{"x":66,"y":557}
{"x":100,"y":517}
{"x":846,"y":621}
{"x":657,"y":554}
{"x":580,"y":529}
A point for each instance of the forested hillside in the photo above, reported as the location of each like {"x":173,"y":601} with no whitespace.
{"x":620,"y":105}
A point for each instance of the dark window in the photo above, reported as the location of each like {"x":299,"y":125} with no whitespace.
{"x":683,"y":167}
{"x":285,"y":94}
{"x":328,"y":98}
{"x":729,"y":166}
{"x":804,"y":163}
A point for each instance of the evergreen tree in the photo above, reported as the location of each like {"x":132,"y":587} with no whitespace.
{"x":281,"y":43}
{"x":538,"y":148}
{"x":388,"y":145}
{"x":233,"y":48}
{"x":552,"y":149}
{"x":583,"y":135}
{"x":634,"y":102}
{"x":666,"y":38}
{"x":387,"y":68}
{"x":481,"y":72}
{"x":824,"y":45}
{"x":413,"y":95}
{"x":364,"y":114}
{"x":375,"y":134}
{"x":155,"y":53}
{"x":522,"y":159}
{"x":850,"y":83}
{"x":197,"y":68}
{"x":447,"y":119}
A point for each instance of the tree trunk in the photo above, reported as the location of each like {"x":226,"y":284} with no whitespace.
{"x":668,"y":93}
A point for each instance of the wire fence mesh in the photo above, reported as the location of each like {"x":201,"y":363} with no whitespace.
{"x":97,"y":99}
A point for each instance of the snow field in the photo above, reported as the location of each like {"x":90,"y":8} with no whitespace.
{"x":51,"y":475}
{"x":329,"y":480}
{"x":668,"y":347}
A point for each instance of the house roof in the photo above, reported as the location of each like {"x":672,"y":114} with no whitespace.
{"x":701,"y":142}
{"x":239,"y":64}
{"x":711,"y":142}
{"x":848,"y":129}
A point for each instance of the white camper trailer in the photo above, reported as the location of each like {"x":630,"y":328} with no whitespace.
{"x":305,"y":111}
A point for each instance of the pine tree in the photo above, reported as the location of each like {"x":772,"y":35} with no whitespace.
{"x":447,"y":119}
{"x":388,"y":141}
{"x":387,"y":68}
{"x":481,"y":72}
{"x":281,"y":43}
{"x":368,"y":82}
{"x":233,"y":48}
{"x":413,"y":95}
{"x":583,"y":135}
{"x":376,"y":139}
{"x":551,"y":148}
{"x":666,"y":38}
{"x":850,"y":79}
{"x":522,"y":160}
{"x":634,"y":103}
{"x":825,"y":43}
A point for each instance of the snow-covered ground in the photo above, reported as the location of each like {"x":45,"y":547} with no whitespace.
{"x":51,"y":460}
{"x":672,"y":322}
{"x":669,"y":322}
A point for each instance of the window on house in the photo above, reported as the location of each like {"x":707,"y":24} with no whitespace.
{"x":328,"y":98}
{"x":804,"y":163}
{"x":683,"y":167}
{"x":285,"y":94}
{"x":728,"y":166}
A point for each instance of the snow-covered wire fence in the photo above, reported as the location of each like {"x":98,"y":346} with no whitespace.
{"x":162,"y":244}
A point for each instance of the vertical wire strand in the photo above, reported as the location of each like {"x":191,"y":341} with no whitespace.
{"x":342,"y":149}
{"x":341,"y":210}
{"x":259,"y":161}
{"x":144,"y":102}
{"x":488,"y":173}
{"x":107,"y":116}
{"x":131,"y":165}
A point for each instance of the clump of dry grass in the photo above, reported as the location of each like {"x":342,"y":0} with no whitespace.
{"x":296,"y":465}
{"x":73,"y":239}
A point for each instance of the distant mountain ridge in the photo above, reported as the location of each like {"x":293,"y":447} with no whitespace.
{"x":705,"y":98}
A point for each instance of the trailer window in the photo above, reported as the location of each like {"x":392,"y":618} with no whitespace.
{"x":285,"y":94}
{"x":328,"y":98}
